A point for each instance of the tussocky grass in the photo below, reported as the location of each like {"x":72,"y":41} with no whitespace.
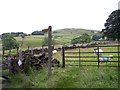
{"x":68,"y":77}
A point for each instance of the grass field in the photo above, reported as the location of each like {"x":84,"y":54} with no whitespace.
{"x":64,"y":39}
{"x":75,"y":31}
{"x":32,"y":41}
{"x":35,"y":41}
{"x":69,"y":77}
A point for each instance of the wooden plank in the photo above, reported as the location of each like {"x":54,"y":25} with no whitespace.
{"x":80,"y":65}
{"x":87,"y":61}
{"x":105,"y":46}
{"x":98,"y":56}
{"x":63,"y":57}
{"x":87,"y":52}
{"x":72,"y":52}
{"x":118,"y":55}
{"x":108,"y":45}
{"x":81,"y":56}
{"x":102,"y":52}
{"x":90,"y":65}
{"x":87,"y":56}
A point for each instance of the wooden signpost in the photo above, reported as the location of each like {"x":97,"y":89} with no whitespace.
{"x":49,"y":30}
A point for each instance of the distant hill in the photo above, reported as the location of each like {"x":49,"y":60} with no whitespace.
{"x":75,"y":31}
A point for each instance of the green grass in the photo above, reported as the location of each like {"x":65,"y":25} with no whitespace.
{"x":36,"y":41}
{"x":32,"y":41}
{"x":75,"y":31}
{"x":64,"y":39}
{"x":69,"y":77}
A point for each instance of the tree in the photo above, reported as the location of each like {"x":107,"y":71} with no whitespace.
{"x":55,"y":32}
{"x":75,"y":40}
{"x":96,"y":37}
{"x":37,"y":33}
{"x":85,"y":38}
{"x":112,"y":26}
{"x":9,"y":42}
{"x":45,"y":41}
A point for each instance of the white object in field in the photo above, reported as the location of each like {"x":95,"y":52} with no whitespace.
{"x":54,"y":51}
{"x":96,"y":51}
{"x":19,"y":62}
{"x":111,"y":56}
{"x":106,"y":58}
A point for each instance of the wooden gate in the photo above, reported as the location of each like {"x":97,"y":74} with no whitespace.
{"x":85,"y":56}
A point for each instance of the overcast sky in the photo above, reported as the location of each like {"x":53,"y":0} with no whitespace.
{"x":30,"y":15}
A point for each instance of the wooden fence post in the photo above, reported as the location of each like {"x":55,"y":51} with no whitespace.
{"x":98,"y":56}
{"x":118,"y":55}
{"x":63,"y":57}
{"x":49,"y":50}
{"x":79,"y":57}
{"x":49,"y":30}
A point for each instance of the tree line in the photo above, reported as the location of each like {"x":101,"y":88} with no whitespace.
{"x":16,"y":34}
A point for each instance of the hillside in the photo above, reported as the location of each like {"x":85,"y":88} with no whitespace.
{"x":75,"y":31}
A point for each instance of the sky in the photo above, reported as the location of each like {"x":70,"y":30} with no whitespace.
{"x":30,"y":15}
